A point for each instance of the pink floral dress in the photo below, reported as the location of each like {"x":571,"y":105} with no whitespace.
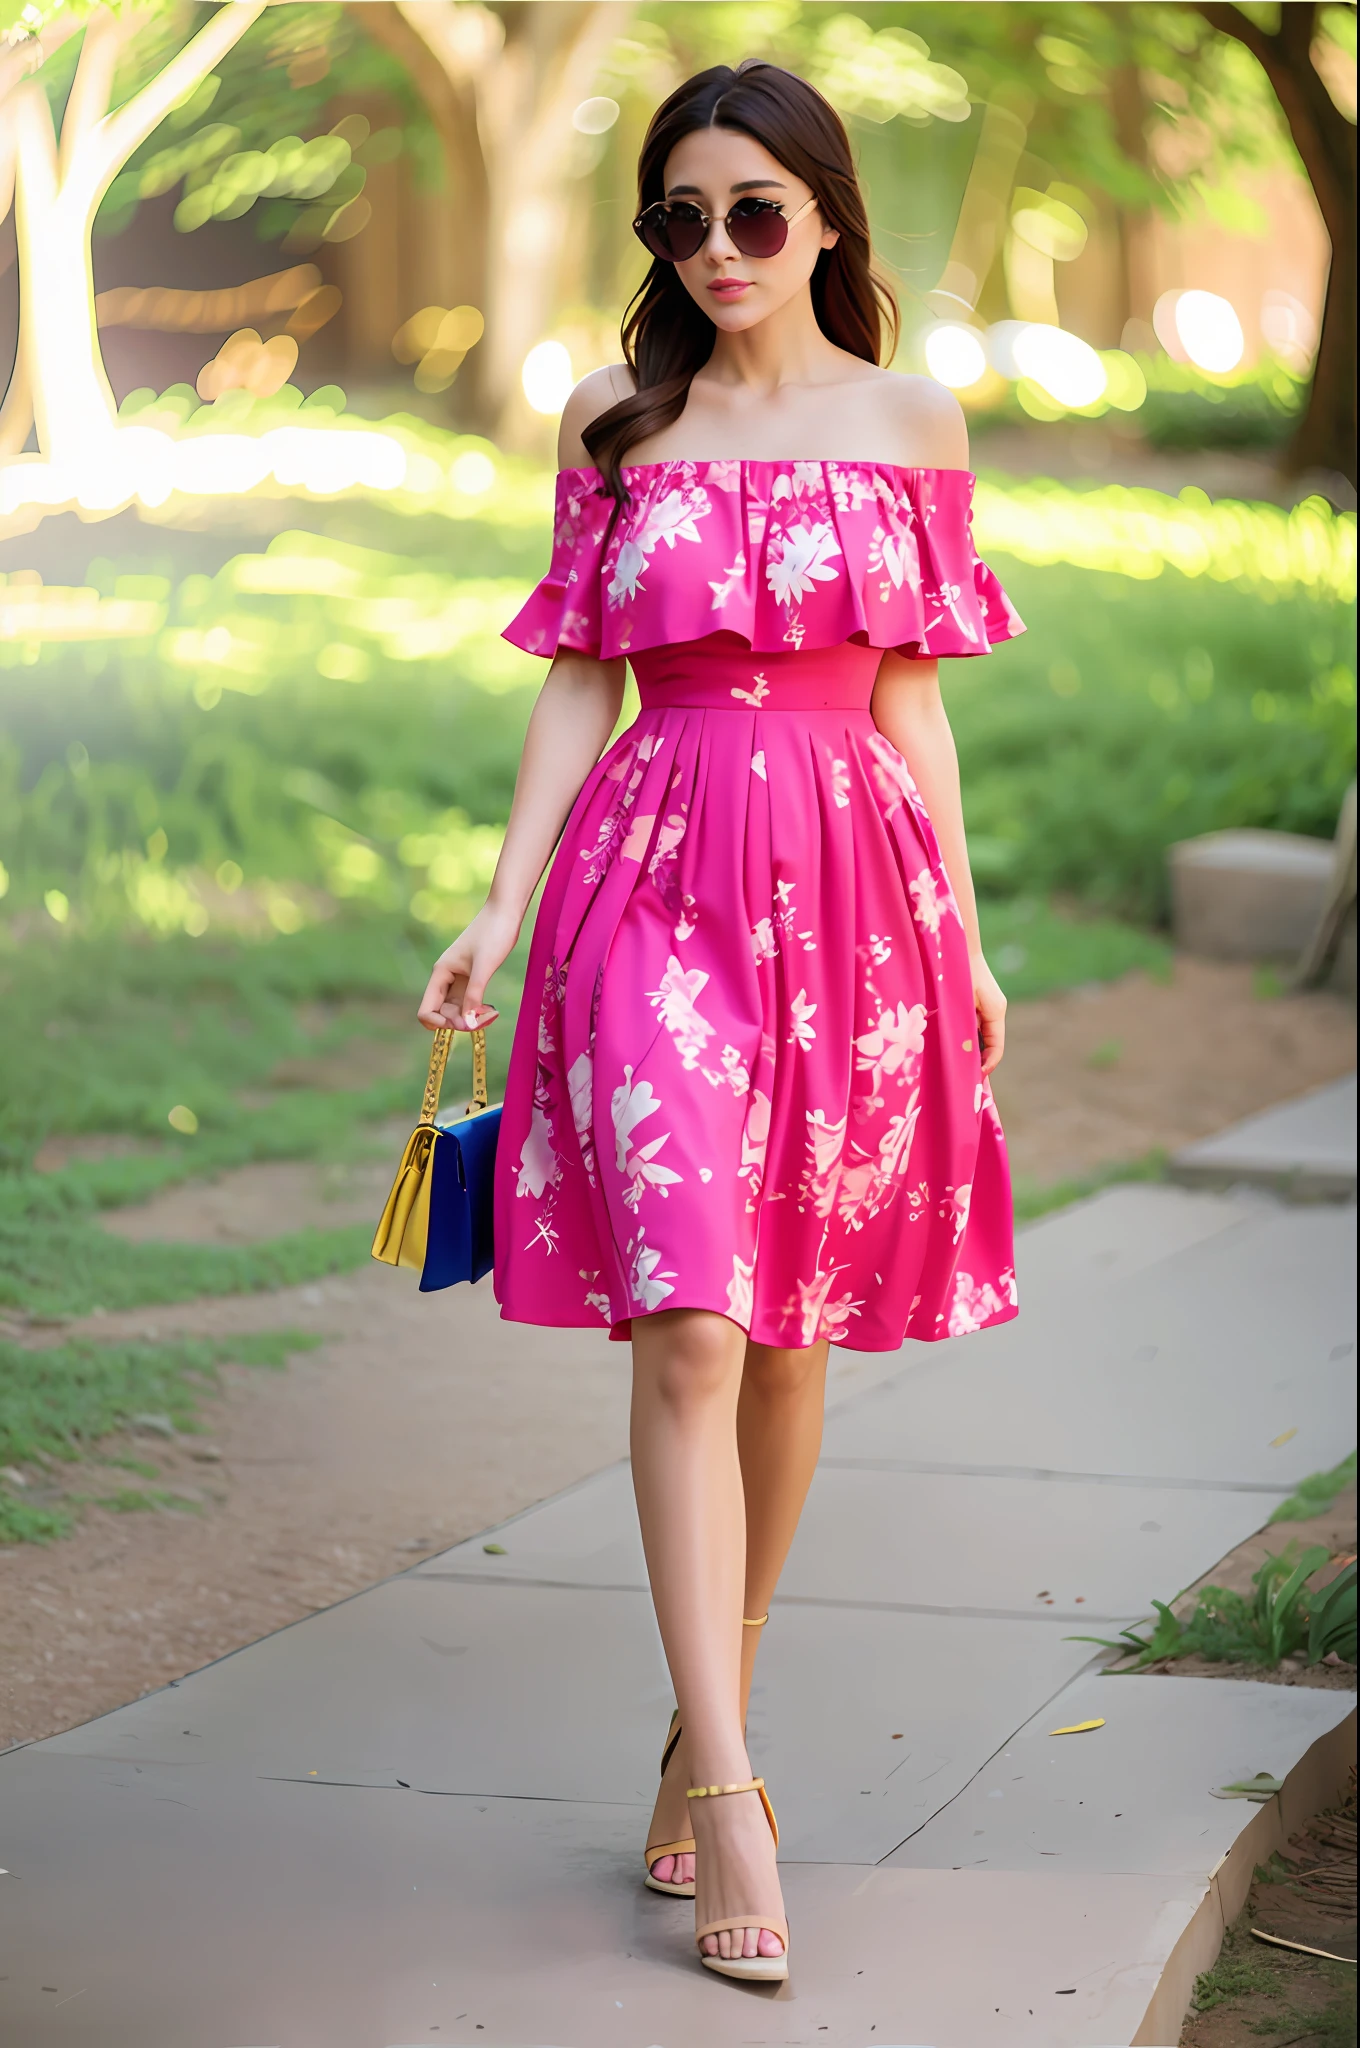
{"x":746,"y":1074}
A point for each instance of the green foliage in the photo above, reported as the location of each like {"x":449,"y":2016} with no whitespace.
{"x":334,"y":721}
{"x":1034,"y":948}
{"x":57,"y":1403}
{"x":1314,"y":1495}
{"x":267,"y":1042}
{"x":1247,"y":1970}
{"x":69,"y":1266}
{"x":1135,"y":714}
{"x":237,"y":142}
{"x":1282,"y":1616}
{"x":1032,"y":1199}
{"x":1332,"y":1624}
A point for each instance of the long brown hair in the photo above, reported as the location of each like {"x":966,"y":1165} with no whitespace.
{"x":666,"y":337}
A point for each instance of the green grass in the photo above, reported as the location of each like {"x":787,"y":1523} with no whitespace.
{"x":1314,"y":1495}
{"x":1248,"y":1971}
{"x":339,"y":720}
{"x":1035,"y":947}
{"x":71,"y":1267}
{"x":57,"y":1403}
{"x":1032,"y":1199}
{"x":1283,"y":1615}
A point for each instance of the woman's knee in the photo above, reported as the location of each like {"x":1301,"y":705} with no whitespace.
{"x":772,"y":1374}
{"x":690,"y":1357}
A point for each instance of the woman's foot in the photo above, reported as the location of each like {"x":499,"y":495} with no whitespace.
{"x":736,"y":1859}
{"x":672,"y":1820}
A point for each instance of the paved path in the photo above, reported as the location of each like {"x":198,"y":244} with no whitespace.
{"x":417,"y":1816}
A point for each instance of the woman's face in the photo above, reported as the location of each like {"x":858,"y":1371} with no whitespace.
{"x":713,"y":168}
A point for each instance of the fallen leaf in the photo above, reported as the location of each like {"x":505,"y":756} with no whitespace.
{"x":1276,"y":1441}
{"x":1260,"y":1788}
{"x":495,"y":1550}
{"x":1078,"y":1728}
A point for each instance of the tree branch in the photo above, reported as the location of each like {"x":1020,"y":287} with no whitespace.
{"x":1323,"y":137}
{"x":106,"y":35}
{"x":118,"y":134}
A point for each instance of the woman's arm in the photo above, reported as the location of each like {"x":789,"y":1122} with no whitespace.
{"x":569,"y":729}
{"x":908,"y":709}
{"x":576,"y":711}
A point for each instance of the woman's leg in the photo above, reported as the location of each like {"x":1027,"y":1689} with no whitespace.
{"x":687,"y":1374}
{"x":779,"y":1434}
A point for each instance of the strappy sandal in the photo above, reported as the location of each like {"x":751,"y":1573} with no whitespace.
{"x":655,"y":1852}
{"x":762,"y":1969}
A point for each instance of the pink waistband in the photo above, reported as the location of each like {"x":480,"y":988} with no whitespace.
{"x":722,"y":673}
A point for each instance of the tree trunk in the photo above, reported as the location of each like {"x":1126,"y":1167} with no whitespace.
{"x":59,"y":364}
{"x":59,"y":382}
{"x":451,"y":103}
{"x":1325,"y":141}
{"x":524,"y":113}
{"x":522,"y":196}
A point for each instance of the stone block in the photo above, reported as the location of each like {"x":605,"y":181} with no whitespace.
{"x":1248,"y":895}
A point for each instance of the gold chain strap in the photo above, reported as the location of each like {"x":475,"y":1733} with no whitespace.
{"x":439,"y":1059}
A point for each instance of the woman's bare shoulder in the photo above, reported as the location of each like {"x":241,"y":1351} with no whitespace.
{"x":595,"y":393}
{"x":923,"y":424}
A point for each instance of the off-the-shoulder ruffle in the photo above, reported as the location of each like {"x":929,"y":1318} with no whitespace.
{"x":783,"y":554}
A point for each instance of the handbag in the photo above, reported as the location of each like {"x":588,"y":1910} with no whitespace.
{"x":437,"y":1219}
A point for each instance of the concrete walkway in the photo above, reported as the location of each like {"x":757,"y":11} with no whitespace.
{"x":417,"y":1817}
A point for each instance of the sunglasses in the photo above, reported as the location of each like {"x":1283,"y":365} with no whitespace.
{"x":676,"y":230}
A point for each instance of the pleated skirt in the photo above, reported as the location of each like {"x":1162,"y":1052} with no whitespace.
{"x":746,"y":1074}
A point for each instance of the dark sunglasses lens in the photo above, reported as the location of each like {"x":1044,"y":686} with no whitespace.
{"x":757,"y":230}
{"x":674,"y":233}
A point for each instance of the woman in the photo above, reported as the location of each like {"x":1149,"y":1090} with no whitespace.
{"x":747,"y":1111}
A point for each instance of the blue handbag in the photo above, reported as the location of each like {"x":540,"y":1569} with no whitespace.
{"x":437,"y":1219}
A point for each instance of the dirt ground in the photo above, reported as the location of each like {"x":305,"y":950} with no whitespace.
{"x":423,"y":1418}
{"x":1259,"y":1991}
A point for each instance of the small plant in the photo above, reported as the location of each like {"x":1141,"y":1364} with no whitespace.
{"x":1279,"y":1619}
{"x":1331,"y":1629}
{"x":1314,"y":1495}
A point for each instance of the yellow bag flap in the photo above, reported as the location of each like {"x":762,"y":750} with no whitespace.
{"x":404,"y":1227}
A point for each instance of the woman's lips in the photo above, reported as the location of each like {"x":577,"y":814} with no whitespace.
{"x":730,"y":287}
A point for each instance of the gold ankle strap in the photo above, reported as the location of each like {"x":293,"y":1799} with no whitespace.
{"x":754,"y":1621}
{"x":720,"y":1791}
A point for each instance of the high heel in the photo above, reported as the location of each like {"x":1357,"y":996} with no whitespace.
{"x":656,"y":1852}
{"x":762,"y":1969}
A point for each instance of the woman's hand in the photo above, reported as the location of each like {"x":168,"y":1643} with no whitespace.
{"x":457,"y":986}
{"x":990,"y":1005}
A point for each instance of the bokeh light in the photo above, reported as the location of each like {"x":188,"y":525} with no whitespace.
{"x":595,"y":116}
{"x":1061,"y":364}
{"x":547,"y":377}
{"x":955,"y":355}
{"x":1201,"y":328}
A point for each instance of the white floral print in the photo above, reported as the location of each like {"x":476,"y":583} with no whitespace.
{"x":977,"y":1303}
{"x":580,"y":1092}
{"x":650,"y":1287}
{"x":675,"y":999}
{"x":741,"y":1291}
{"x":539,"y":1165}
{"x":805,"y":561}
{"x":927,"y":908}
{"x":801,"y":1013}
{"x":894,"y":1042}
{"x":631,"y":1103}
{"x":671,"y":518}
{"x":893,"y":777}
